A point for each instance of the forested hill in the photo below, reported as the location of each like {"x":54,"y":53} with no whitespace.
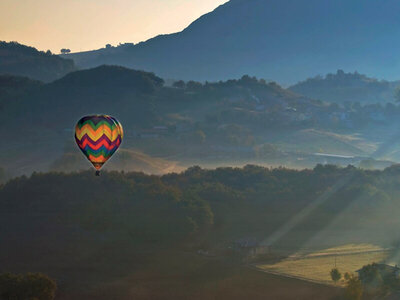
{"x":344,"y":87}
{"x":21,"y":60}
{"x":283,"y":40}
{"x":122,"y":225}
{"x":218,"y":205}
{"x":141,"y":99}
{"x":12,"y":87}
{"x":241,"y":120}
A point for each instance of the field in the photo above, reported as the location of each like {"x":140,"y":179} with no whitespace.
{"x":316,"y":266}
{"x":187,"y":276}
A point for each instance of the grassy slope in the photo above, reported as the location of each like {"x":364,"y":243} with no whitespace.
{"x":317,"y":265}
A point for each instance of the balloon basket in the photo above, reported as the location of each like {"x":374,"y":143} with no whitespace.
{"x":97,"y":173}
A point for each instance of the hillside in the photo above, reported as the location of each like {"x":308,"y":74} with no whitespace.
{"x":21,"y":60}
{"x":347,"y":87}
{"x":132,"y":235}
{"x":226,"y":115}
{"x":217,"y":123}
{"x":13,"y":87}
{"x":284,"y":40}
{"x":140,"y":99}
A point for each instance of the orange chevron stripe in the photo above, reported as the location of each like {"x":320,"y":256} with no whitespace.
{"x":97,"y":165}
{"x":100,"y":159}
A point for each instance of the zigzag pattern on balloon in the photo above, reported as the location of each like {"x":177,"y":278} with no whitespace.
{"x":103,"y":141}
{"x":98,"y":137}
{"x":102,"y":151}
{"x":95,"y":134}
{"x":88,"y":146}
{"x":97,"y":160}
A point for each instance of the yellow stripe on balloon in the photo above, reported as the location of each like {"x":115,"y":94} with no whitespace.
{"x":88,"y":129}
{"x":96,"y":134}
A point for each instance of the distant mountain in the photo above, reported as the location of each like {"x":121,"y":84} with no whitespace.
{"x":287,"y":40}
{"x":17,"y":59}
{"x":347,"y":87}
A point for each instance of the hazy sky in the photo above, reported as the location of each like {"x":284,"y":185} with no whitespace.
{"x":90,"y":24}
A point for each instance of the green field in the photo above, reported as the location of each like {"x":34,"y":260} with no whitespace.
{"x":316,"y":266}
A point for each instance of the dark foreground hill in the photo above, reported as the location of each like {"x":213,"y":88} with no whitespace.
{"x":17,"y":59}
{"x":347,"y":87}
{"x":285,"y":40}
{"x":130,"y":235}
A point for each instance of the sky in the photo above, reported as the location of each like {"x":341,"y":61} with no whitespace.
{"x":90,"y":24}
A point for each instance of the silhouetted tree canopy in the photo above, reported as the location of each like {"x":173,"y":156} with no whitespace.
{"x":184,"y":206}
{"x":65,"y":51}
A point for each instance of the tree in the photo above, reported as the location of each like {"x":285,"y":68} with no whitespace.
{"x":354,"y":288}
{"x":65,"y":51}
{"x":335,"y":275}
{"x":179,"y":84}
{"x":248,"y":81}
{"x":378,"y":278}
{"x":194,"y":85}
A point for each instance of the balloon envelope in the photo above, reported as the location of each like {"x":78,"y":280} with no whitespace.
{"x":98,"y":137}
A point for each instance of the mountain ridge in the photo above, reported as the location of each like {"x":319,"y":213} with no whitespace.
{"x":285,"y":40}
{"x":21,"y":60}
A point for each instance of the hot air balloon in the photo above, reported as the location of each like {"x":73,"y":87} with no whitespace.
{"x":98,"y":137}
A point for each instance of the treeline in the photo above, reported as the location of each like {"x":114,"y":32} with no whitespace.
{"x":212,"y":206}
{"x":141,"y":206}
{"x":350,"y":87}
